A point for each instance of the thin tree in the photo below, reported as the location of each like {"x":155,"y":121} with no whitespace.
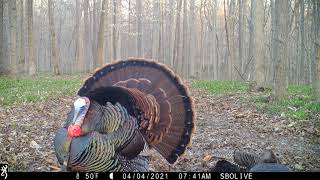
{"x":156,"y":30}
{"x":192,"y":38}
{"x":100,"y":45}
{"x":20,"y":38}
{"x":259,"y":48}
{"x":79,"y":48}
{"x":139,"y":28}
{"x":302,"y":45}
{"x":13,"y":32}
{"x":241,"y":34}
{"x":227,"y":39}
{"x":31,"y":59}
{"x":185,"y":46}
{"x":53,"y":39}
{"x":316,"y":51}
{"x":281,"y":43}
{"x":176,"y":45}
{"x":1,"y":36}
{"x":115,"y":34}
{"x":251,"y":40}
{"x":87,"y":54}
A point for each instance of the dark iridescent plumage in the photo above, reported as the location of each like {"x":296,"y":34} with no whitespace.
{"x":132,"y":103}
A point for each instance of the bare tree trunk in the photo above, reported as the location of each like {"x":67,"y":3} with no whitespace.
{"x":241,"y":34}
{"x":302,"y":46}
{"x":156,"y":30}
{"x":31,"y":60}
{"x":100,"y":45}
{"x":185,"y":47}
{"x":95,"y":32}
{"x":259,"y":43}
{"x":54,"y":49}
{"x":79,"y":49}
{"x":1,"y":37}
{"x":162,"y":32}
{"x":139,"y":28}
{"x":129,"y":30}
{"x":317,"y":74}
{"x":231,"y":31}
{"x":281,"y":43}
{"x":251,"y":42}
{"x":170,"y":33}
{"x":114,"y":32}
{"x":215,"y":52}
{"x":13,"y":32}
{"x":273,"y":26}
{"x":227,"y":40}
{"x":88,"y":54}
{"x":176,"y":46}
{"x":192,"y":39}
{"x":316,"y":51}
{"x":20,"y":38}
{"x":201,"y":59}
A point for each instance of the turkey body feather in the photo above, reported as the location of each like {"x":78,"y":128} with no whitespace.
{"x":132,"y":103}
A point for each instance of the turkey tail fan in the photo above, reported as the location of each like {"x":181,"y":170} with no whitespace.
{"x":167,"y":118}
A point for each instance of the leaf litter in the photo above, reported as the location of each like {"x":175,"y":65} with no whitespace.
{"x":223,"y":124}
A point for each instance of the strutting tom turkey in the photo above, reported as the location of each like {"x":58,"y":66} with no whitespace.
{"x":123,"y":107}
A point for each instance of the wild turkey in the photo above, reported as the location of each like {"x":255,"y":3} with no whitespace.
{"x":248,"y":160}
{"x":244,"y":162}
{"x":123,"y":107}
{"x":226,"y":166}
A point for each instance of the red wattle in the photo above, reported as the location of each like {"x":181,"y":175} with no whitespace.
{"x":74,"y":130}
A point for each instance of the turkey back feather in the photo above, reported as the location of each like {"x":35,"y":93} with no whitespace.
{"x":153,"y":94}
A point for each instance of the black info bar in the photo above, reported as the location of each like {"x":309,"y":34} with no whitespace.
{"x":159,"y":175}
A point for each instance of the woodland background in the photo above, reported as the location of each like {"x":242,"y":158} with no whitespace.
{"x":273,"y":42}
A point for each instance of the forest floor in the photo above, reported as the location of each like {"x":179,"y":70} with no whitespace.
{"x":224,"y":123}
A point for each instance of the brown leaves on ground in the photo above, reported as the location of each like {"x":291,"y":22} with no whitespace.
{"x":223,"y":125}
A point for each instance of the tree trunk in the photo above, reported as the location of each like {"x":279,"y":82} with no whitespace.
{"x":100,"y":45}
{"x":53,"y":41}
{"x":94,"y":32}
{"x":1,"y":37}
{"x":317,"y":74}
{"x":79,"y":49}
{"x":20,"y":38}
{"x":316,"y":51}
{"x":169,"y":32}
{"x":227,"y":41}
{"x":192,"y":39}
{"x":251,"y":41}
{"x":281,"y":43}
{"x":232,"y":46}
{"x":241,"y":35}
{"x":31,"y":60}
{"x":115,"y":32}
{"x":13,"y":33}
{"x":176,"y":45}
{"x":139,"y":27}
{"x":156,"y":30}
{"x":259,"y":43}
{"x":202,"y":33}
{"x":302,"y":45}
{"x":215,"y":52}
{"x":87,"y":41}
{"x":128,"y":49}
{"x":185,"y":46}
{"x":273,"y":50}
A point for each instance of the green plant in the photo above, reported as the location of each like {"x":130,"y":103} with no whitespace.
{"x":220,"y":87}
{"x":35,"y":89}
